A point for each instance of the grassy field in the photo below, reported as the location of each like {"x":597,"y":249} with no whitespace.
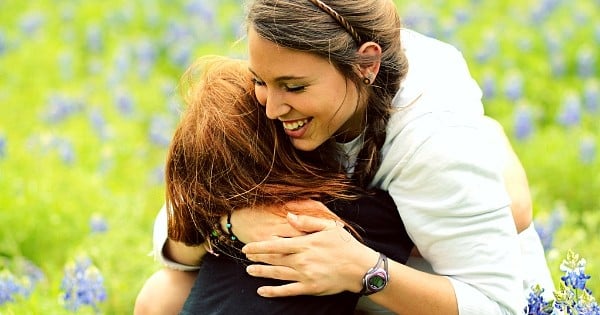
{"x":88,"y":102}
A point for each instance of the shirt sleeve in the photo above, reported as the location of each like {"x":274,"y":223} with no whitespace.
{"x":159,"y":239}
{"x":449,"y":192}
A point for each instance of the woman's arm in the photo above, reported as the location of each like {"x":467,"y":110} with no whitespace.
{"x":515,"y":179}
{"x":454,"y":205}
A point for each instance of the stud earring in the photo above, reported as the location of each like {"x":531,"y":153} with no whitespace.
{"x":368,"y":79}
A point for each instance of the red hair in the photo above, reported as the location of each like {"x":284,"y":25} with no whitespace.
{"x":226,"y":154}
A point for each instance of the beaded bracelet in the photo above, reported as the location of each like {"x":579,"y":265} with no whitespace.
{"x":232,"y":236}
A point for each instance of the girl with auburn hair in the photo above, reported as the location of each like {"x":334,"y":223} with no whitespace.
{"x":408,"y":118}
{"x":226,"y":155}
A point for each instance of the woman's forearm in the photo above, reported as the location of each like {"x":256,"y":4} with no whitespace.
{"x":184,"y":254}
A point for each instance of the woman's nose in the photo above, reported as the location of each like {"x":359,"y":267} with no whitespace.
{"x":275,"y":105}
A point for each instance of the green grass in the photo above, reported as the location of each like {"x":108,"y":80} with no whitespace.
{"x":47,"y":198}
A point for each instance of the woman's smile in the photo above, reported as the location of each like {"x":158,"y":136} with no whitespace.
{"x":313,"y":100}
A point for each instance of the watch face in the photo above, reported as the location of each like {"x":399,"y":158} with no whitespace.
{"x":377,"y":280}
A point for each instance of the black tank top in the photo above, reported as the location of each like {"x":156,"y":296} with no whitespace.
{"x":223,"y":287}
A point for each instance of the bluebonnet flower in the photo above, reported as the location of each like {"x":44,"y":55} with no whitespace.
{"x":82,"y":285}
{"x":572,"y":296}
{"x":488,"y":48}
{"x":66,"y":151}
{"x":98,"y":123}
{"x":3,"y":44}
{"x":98,"y":224}
{"x":558,"y":64}
{"x":160,"y":130}
{"x":106,"y":160}
{"x":591,"y":96}
{"x":547,"y":229}
{"x":9,"y":287}
{"x":536,"y":303}
{"x":180,"y":54}
{"x":59,"y":107}
{"x":146,"y":56}
{"x":30,"y":23}
{"x":2,"y":146}
{"x":523,"y":122}
{"x":31,"y":275}
{"x":176,"y":32}
{"x":18,"y":278}
{"x":124,"y":102}
{"x":462,"y":15}
{"x":158,"y":175}
{"x":570,"y":111}
{"x":587,"y":150}
{"x":513,"y":86}
{"x":202,"y":9}
{"x":586,"y":63}
{"x":94,"y":40}
{"x":488,"y":86}
{"x":65,"y":64}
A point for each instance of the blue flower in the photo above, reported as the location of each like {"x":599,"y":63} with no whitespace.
{"x":591,"y":96}
{"x":9,"y":287}
{"x":95,"y":42}
{"x":587,"y":150}
{"x":570,"y":112}
{"x":3,"y":45}
{"x":523,"y":123}
{"x":536,"y":304}
{"x":2,"y":146}
{"x":82,"y":285}
{"x":586,"y":63}
{"x":160,"y":131}
{"x":513,"y":86}
{"x":572,"y":296}
{"x":98,"y":224}
{"x":547,"y":229}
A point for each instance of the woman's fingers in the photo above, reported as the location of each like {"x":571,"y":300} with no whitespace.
{"x":279,"y":246}
{"x":310,"y":224}
{"x":282,"y":273}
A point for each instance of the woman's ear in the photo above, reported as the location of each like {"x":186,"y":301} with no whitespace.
{"x":371,"y":52}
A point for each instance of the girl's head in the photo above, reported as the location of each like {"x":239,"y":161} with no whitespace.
{"x":225,"y":154}
{"x":310,"y":60}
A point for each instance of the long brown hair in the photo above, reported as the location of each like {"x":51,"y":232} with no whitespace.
{"x":334,"y":30}
{"x":226,"y":154}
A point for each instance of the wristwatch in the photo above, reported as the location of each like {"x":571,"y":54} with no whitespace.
{"x":377,"y":277}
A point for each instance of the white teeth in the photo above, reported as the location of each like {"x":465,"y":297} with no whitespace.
{"x":295,"y":124}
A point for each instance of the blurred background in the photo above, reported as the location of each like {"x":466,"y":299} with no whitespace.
{"x":88,"y":103}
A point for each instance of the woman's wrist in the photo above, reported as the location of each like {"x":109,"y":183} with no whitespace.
{"x":364,"y":262}
{"x":184,"y":254}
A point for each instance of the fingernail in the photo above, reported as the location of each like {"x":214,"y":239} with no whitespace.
{"x":261,"y":291}
{"x":250,"y":269}
{"x":292,"y":216}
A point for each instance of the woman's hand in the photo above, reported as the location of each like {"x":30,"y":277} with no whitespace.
{"x":262,"y":223}
{"x":327,"y":260}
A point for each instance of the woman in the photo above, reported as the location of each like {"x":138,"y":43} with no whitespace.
{"x":344,"y":70}
{"x":409,"y":116}
{"x":226,"y":155}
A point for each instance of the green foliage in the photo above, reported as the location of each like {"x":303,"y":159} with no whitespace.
{"x":88,"y":100}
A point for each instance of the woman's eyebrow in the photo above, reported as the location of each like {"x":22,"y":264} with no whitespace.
{"x":281,"y":78}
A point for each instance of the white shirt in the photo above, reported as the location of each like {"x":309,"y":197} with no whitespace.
{"x":442,"y":165}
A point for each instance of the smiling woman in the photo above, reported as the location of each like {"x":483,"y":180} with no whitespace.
{"x":326,"y":99}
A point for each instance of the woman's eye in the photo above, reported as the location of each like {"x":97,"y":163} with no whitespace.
{"x":294,"y":88}
{"x":258,"y":82}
